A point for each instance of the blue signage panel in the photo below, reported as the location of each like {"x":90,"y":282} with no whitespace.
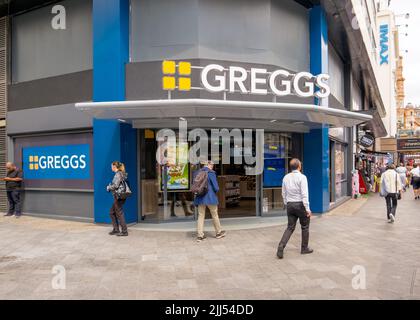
{"x":56,"y":162}
{"x":274,"y":172}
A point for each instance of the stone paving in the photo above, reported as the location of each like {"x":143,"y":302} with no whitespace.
{"x":171,"y":265}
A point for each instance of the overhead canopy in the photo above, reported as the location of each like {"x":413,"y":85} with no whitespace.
{"x":230,"y":112}
{"x":376,"y":125}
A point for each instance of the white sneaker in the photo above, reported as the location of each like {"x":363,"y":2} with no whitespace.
{"x":389,"y":221}
{"x":392,"y":217}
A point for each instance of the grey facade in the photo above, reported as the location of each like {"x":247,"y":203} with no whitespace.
{"x":39,"y":51}
{"x":50,"y":71}
{"x":265,"y":31}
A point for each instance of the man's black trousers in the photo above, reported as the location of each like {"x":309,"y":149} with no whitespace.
{"x":296,"y":211}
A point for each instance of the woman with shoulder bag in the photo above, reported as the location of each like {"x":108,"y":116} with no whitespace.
{"x":115,"y":187}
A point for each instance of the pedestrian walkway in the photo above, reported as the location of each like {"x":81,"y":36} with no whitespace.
{"x":171,"y":265}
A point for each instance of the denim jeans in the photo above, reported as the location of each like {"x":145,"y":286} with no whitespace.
{"x":15,"y":202}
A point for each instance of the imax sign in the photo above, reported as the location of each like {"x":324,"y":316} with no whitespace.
{"x":384,"y":44}
{"x":57,"y":162}
{"x":235,"y":79}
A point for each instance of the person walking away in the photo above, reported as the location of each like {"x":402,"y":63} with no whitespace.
{"x":205,"y":187}
{"x":402,"y":172}
{"x":296,"y":198}
{"x":117,"y":212}
{"x":391,"y":190}
{"x":14,"y":183}
{"x":415,"y":176}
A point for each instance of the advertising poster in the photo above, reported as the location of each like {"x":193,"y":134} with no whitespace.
{"x":177,"y":173}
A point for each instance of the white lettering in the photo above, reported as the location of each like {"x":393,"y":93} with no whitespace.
{"x":324,"y":88}
{"x":255,"y":80}
{"x":82,"y":160}
{"x":219,"y":78}
{"x":74,"y":163}
{"x":57,"y":162}
{"x":42,"y":162}
{"x":50,"y":161}
{"x":309,"y":85}
{"x":237,"y":79}
{"x":65,"y":162}
{"x":279,"y":83}
{"x":287,"y":84}
{"x":59,"y":21}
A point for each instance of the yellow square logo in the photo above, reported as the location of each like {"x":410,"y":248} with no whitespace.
{"x":169,"y":83}
{"x":184,"y":84}
{"x":174,"y":74}
{"x":31,"y":159}
{"x":31,"y":166}
{"x":36,"y":166}
{"x":168,"y":67}
{"x":35,"y":158}
{"x":184,"y":68}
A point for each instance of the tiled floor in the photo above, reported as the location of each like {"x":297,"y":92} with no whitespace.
{"x":171,"y":265}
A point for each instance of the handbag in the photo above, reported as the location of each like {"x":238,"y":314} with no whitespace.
{"x":124,"y":190}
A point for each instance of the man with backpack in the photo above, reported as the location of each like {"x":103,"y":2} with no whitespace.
{"x":205,"y":188}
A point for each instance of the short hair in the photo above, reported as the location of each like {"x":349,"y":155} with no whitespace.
{"x":391,"y":166}
{"x":295,"y":164}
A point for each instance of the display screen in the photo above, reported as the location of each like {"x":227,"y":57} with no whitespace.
{"x":177,"y":172}
{"x":274,"y":172}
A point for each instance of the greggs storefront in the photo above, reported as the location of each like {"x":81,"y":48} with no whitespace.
{"x":255,"y":94}
{"x":248,"y":84}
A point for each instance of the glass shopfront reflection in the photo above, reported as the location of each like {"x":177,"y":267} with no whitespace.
{"x":279,"y":148}
{"x":165,"y":189}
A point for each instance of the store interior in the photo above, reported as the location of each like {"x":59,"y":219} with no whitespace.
{"x":165,"y":189}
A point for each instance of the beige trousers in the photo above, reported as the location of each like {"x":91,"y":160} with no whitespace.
{"x":201,"y":216}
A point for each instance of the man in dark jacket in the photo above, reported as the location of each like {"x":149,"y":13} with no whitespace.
{"x":14,"y":181}
{"x":209,"y":200}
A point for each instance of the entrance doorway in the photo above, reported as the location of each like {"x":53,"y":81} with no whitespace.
{"x":165,"y":189}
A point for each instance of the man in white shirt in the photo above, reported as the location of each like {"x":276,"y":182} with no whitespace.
{"x":296,"y":198}
{"x":415,"y":176}
{"x":390,"y":188}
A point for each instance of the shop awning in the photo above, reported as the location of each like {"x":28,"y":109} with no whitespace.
{"x":155,"y":110}
{"x":376,"y":125}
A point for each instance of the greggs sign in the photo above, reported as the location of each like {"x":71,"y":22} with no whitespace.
{"x":234,"y":79}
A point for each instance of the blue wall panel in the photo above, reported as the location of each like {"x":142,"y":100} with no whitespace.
{"x":316,"y":142}
{"x":112,"y":140}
